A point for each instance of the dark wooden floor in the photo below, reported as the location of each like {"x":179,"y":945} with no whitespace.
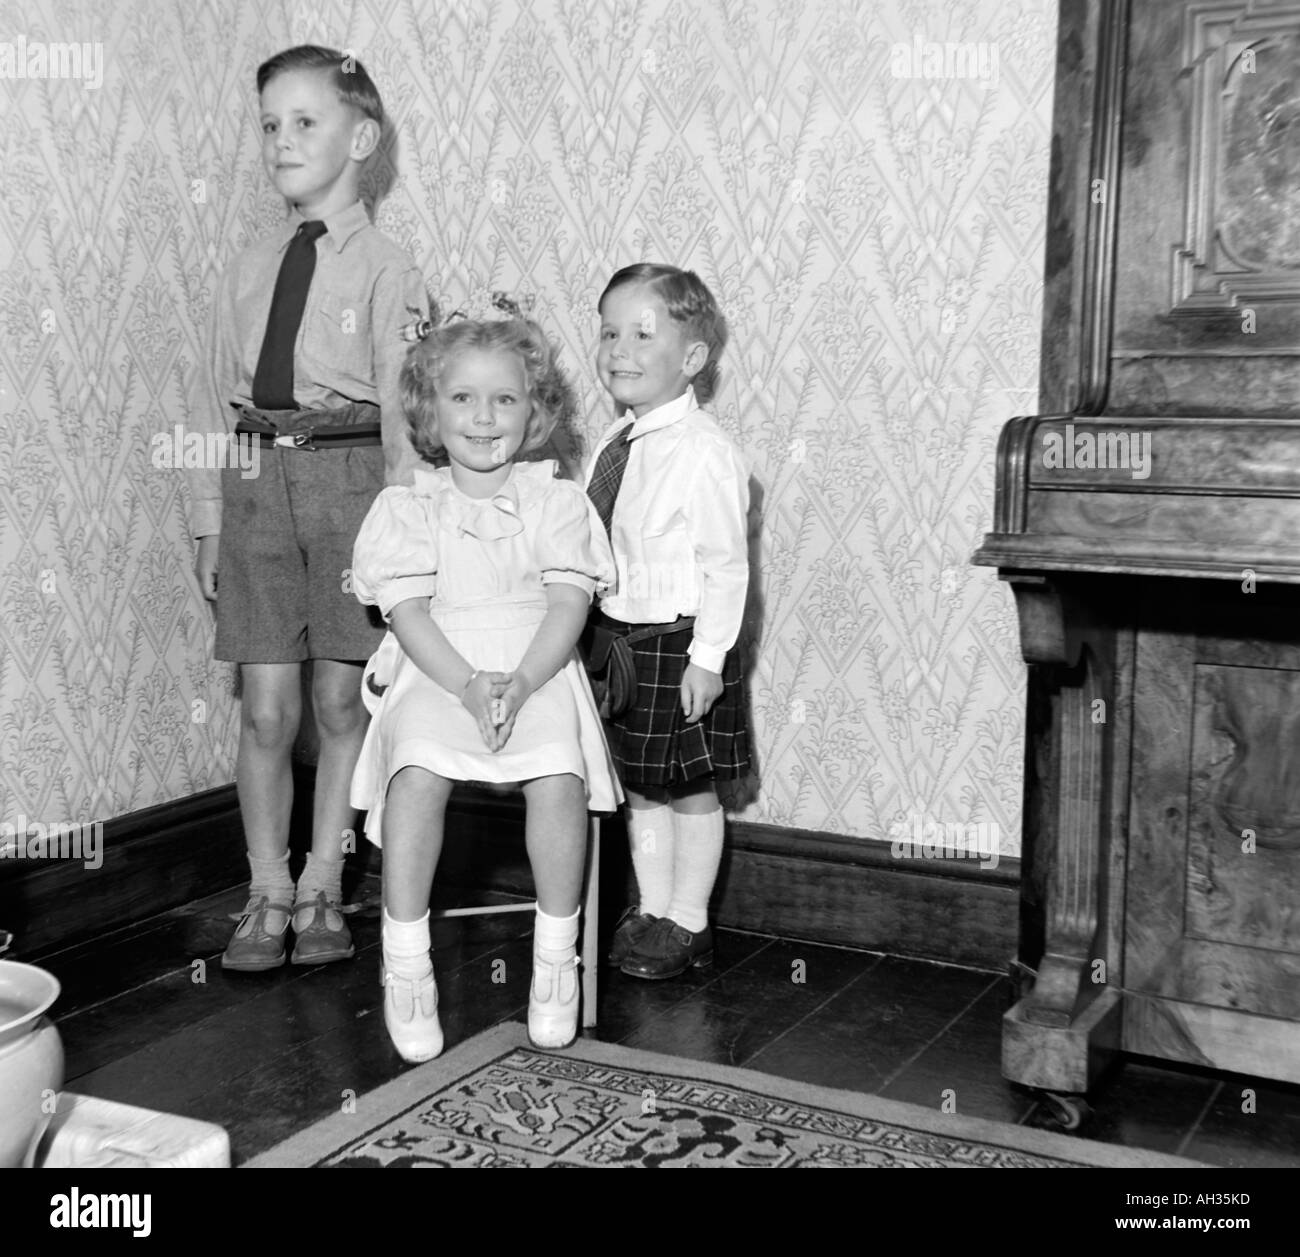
{"x":148,"y":1017}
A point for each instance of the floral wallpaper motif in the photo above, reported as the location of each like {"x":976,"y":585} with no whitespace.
{"x":870,"y":216}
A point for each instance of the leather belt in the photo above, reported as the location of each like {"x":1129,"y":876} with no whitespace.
{"x":311,"y":438}
{"x":644,"y":631}
{"x":607,"y":653}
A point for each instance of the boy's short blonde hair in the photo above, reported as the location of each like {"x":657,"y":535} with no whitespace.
{"x":548,"y":389}
{"x":689,"y":303}
{"x":347,"y":75}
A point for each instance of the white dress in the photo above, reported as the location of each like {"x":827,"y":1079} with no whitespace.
{"x":485,"y":564}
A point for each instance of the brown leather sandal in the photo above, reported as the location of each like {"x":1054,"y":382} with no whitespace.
{"x":252,"y":947}
{"x":326,"y":936}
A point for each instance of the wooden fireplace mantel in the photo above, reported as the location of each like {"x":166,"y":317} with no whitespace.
{"x":1159,"y":600}
{"x":1218,"y":497}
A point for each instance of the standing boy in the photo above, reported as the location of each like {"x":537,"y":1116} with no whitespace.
{"x":305,"y":356}
{"x":674,"y":493}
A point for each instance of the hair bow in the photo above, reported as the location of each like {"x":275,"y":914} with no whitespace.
{"x":504,"y":306}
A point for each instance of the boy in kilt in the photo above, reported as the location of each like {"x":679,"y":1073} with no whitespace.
{"x":672,"y":489}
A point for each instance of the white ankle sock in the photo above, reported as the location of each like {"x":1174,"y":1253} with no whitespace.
{"x":406,"y":947}
{"x":555,"y":939}
{"x":553,"y":989}
{"x":651,"y":833}
{"x":271,"y":878}
{"x":319,"y":874}
{"x":697,"y":854}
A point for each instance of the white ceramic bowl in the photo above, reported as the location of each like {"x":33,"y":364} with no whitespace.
{"x":31,"y":1059}
{"x":32,"y":990}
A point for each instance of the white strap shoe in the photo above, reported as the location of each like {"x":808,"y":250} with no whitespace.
{"x":411,"y":1016}
{"x":553,"y":1003}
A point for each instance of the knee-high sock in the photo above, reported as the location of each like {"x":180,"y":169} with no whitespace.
{"x":406,"y":947}
{"x":651,"y":832}
{"x":697,"y":854}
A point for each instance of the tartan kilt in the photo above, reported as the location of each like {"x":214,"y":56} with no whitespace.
{"x":651,"y":742}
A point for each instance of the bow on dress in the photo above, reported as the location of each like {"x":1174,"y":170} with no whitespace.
{"x":488,"y":519}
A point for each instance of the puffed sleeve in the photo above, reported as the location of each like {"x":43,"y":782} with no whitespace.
{"x":395,"y":556}
{"x":571,"y":542}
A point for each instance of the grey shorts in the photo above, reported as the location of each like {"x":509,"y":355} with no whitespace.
{"x":284,"y":561}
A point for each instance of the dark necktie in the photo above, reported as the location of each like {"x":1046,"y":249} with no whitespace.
{"x":608,"y":476}
{"x":273,"y":381}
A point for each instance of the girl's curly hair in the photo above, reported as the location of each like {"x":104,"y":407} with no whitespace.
{"x":548,"y":389}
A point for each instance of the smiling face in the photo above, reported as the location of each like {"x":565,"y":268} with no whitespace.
{"x":482,"y":409}
{"x":313,"y":143}
{"x":645,"y":358}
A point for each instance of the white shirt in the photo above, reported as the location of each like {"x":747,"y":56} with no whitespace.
{"x":679,"y":531}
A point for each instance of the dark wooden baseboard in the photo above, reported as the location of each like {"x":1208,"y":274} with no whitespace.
{"x":824,"y":888}
{"x":828,"y":888}
{"x":149,"y":861}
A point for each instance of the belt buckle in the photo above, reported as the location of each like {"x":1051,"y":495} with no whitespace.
{"x":297,"y":440}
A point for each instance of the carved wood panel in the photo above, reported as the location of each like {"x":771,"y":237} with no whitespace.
{"x":1242,"y":198}
{"x":1207,"y":281}
{"x":1213,"y":914}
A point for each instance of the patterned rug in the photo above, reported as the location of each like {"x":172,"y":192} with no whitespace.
{"x":496,"y":1102}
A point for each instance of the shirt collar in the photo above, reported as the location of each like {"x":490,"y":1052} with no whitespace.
{"x":663,"y":416}
{"x":339,"y":228}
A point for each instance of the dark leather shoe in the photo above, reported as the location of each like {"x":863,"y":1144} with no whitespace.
{"x":321,"y":936}
{"x":631,"y":928}
{"x":666,"y":949}
{"x":253,"y":947}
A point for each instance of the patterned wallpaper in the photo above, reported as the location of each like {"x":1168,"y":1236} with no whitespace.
{"x":868,"y":205}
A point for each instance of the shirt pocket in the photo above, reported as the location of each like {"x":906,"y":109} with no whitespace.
{"x":339,"y":344}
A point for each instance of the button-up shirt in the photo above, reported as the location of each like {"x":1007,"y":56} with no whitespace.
{"x":349,"y":347}
{"x":679,"y":531}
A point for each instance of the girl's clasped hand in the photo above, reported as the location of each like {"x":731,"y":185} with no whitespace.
{"x":494,"y":700}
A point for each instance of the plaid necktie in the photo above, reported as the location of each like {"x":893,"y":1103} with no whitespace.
{"x":273,"y":380}
{"x":608,"y":476}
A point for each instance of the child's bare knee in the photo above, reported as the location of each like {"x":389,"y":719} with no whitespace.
{"x":646,"y":796}
{"x":270,"y":723}
{"x":695,"y":798}
{"x":338,"y":712}
{"x":415,"y":783}
{"x":560,"y":788}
